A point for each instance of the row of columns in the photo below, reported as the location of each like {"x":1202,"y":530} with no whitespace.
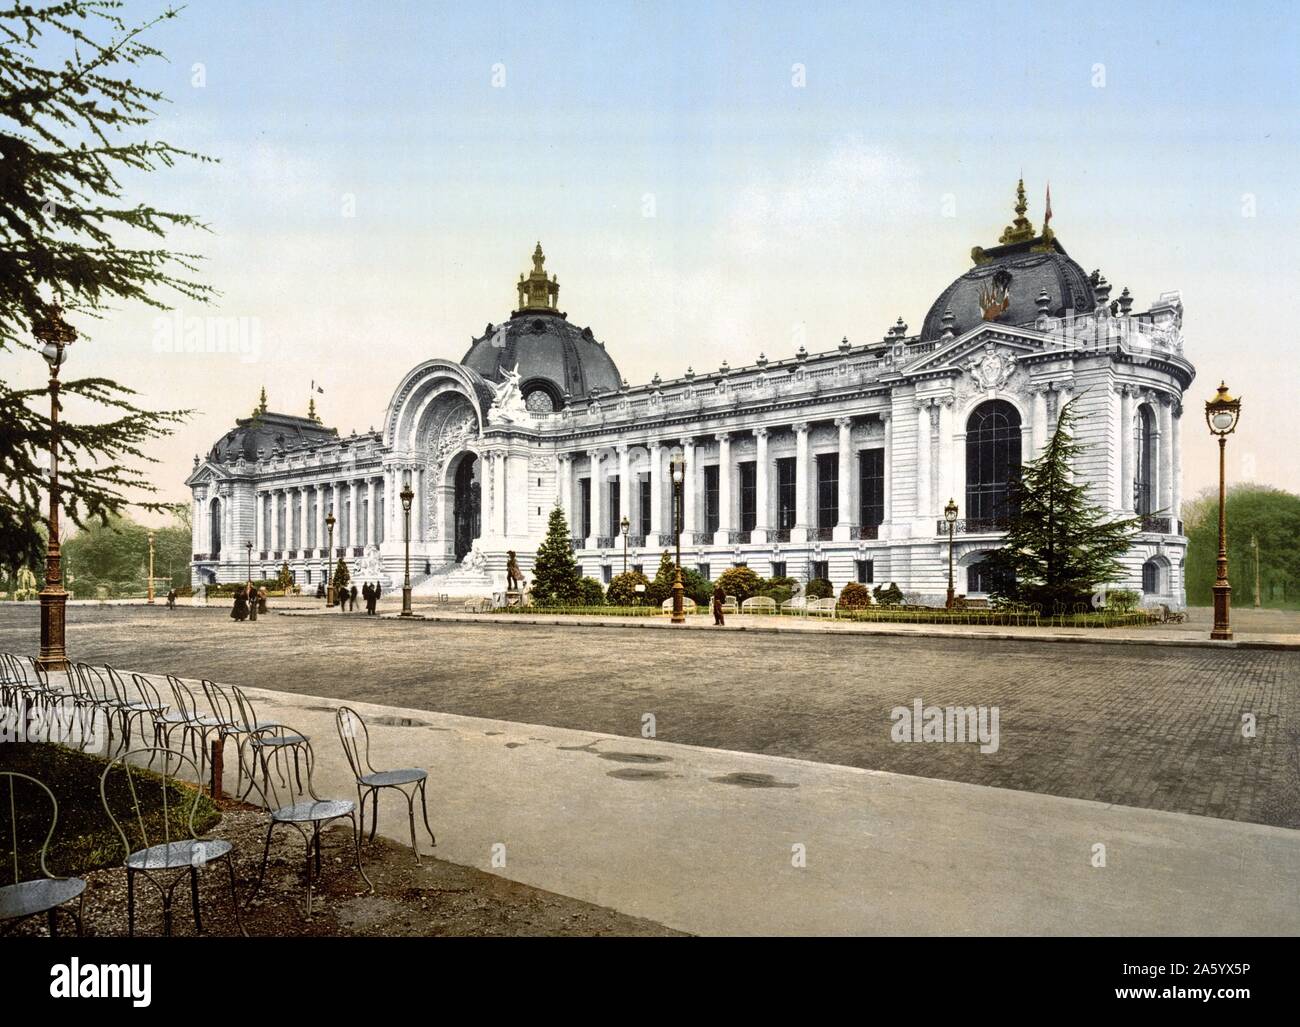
{"x":728,"y":508}
{"x":278,"y":506}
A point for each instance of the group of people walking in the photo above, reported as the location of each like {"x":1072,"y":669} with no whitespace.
{"x":249,"y":602}
{"x":347,"y":597}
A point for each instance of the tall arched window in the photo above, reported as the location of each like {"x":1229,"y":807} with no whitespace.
{"x":214,"y":528}
{"x":1144,"y":473}
{"x":992,"y":461}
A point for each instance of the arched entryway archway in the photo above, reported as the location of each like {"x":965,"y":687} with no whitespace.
{"x":466,"y":505}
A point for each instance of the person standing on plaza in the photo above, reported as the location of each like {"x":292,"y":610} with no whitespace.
{"x":240,"y":610}
{"x":718,"y":600}
{"x":352,"y":597}
{"x":365,"y":595}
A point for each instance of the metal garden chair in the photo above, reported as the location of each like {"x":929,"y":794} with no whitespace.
{"x":91,"y":694}
{"x":355,"y":737}
{"x":230,"y":725}
{"x":169,"y":855}
{"x":270,"y":734}
{"x":140,"y":709}
{"x":295,"y":804}
{"x":47,"y":893}
{"x":195,"y":726}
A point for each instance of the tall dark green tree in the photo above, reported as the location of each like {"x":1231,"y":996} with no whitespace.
{"x":72,"y":124}
{"x":1059,"y":547}
{"x":556,"y":578}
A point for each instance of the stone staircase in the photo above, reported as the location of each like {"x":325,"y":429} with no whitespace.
{"x":453,"y":579}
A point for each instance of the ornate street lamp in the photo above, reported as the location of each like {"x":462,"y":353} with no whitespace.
{"x":950,"y":515}
{"x":624,"y":524}
{"x":252,"y":599}
{"x":678,"y":465}
{"x":55,"y":336}
{"x":150,"y":599}
{"x":1221,"y":415}
{"x":407,"y":496}
{"x":1254,"y":544}
{"x":329,"y":558}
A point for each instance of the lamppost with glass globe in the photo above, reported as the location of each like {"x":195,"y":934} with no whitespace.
{"x":55,"y":335}
{"x":678,"y":465}
{"x":329,"y":558}
{"x":149,"y":600}
{"x":407,"y":496}
{"x":624,"y":524}
{"x":252,"y":598}
{"x":1221,"y":414}
{"x":950,"y":515}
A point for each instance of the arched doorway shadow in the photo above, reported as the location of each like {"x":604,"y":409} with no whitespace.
{"x":466,"y":514}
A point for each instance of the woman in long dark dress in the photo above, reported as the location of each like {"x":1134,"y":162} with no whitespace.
{"x":240,"y":612}
{"x":718,"y":599}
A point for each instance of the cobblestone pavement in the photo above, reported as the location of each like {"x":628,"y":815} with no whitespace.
{"x":1143,"y":726}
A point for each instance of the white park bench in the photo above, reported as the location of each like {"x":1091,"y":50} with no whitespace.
{"x":688,"y":605}
{"x":758,"y":604}
{"x":822,"y":606}
{"x":799,"y":605}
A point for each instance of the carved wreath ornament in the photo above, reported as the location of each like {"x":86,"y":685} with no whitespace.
{"x":991,"y":369}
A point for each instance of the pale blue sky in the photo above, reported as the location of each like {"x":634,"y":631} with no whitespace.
{"x":778,"y":210}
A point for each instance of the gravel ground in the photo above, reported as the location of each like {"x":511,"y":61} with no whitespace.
{"x":437,"y":899}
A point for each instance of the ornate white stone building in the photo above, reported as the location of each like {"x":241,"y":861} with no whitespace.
{"x":835,"y":464}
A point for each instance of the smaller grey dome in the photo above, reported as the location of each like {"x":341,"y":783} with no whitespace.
{"x":266,"y":434}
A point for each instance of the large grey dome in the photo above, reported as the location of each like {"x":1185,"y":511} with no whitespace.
{"x":554,"y":358}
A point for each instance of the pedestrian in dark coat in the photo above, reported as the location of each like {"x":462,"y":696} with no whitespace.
{"x":718,"y":600}
{"x":240,"y":611}
{"x":353,"y":598}
{"x":374,"y":598}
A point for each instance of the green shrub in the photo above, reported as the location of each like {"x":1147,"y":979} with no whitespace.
{"x":622,"y":590}
{"x":891,"y":596}
{"x":819,"y":588}
{"x":1122,"y":600}
{"x":590,"y":592}
{"x":854,"y":597}
{"x":740,"y":582}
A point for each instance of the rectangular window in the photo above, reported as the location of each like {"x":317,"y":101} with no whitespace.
{"x":778,"y":568}
{"x":703,"y":568}
{"x":614,"y":512}
{"x":644,"y":527}
{"x":785,"y":492}
{"x":606,"y":573}
{"x":638,"y":568}
{"x":711,"y":507}
{"x":828,"y":489}
{"x":748,"y":473}
{"x":820,"y":569}
{"x":584,"y":507}
{"x":871,"y":479}
{"x":866,"y":572}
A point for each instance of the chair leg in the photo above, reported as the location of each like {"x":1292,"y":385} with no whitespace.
{"x":374,"y":814}
{"x":410,"y":815}
{"x":356,"y":841}
{"x":424,"y":806}
{"x":234,"y":895}
{"x":167,"y":913}
{"x":266,"y":852}
{"x":54,"y":927}
{"x":130,"y":903}
{"x":194,"y":900}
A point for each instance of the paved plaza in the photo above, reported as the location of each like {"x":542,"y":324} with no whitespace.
{"x":1157,"y":727}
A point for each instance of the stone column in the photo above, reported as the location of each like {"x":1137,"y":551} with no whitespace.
{"x":259,"y":529}
{"x":688,"y":491}
{"x":762,"y":501}
{"x":1176,"y":479}
{"x":353,"y":506}
{"x":1128,"y":455}
{"x":370,"y":511}
{"x":844,"y":519}
{"x":799,"y":533}
{"x":322,"y":535}
{"x":945,"y":452}
{"x":723,"y":536}
{"x":655,"y":529}
{"x":624,"y":487}
{"x":924,"y":507}
{"x":277,"y":521}
{"x":1164,"y":419}
{"x":595,"y":491}
{"x":1038,"y":420}
{"x":887,"y":418}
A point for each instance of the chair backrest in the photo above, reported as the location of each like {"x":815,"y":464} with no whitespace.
{"x":244,"y":707}
{"x":222,"y":708}
{"x":7,"y":664}
{"x":355,"y":737}
{"x":41,"y":674}
{"x":93,"y":687}
{"x":148,"y":691}
{"x":118,"y":683}
{"x":124,"y":782}
{"x":9,"y":781}
{"x":183,"y":700}
{"x":287,"y":787}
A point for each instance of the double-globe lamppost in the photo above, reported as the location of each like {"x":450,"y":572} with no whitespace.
{"x":624,"y":524}
{"x":248,"y":588}
{"x":950,"y":515}
{"x":55,"y":335}
{"x":1221,"y":414}
{"x":329,"y":559}
{"x":678,"y":465}
{"x":407,"y":496}
{"x":150,"y":599}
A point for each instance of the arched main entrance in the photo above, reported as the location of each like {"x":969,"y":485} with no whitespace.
{"x":466,"y":504}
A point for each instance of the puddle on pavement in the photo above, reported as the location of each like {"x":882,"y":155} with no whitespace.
{"x":752,"y":781}
{"x":515,"y":745}
{"x":389,"y":721}
{"x":491,"y":733}
{"x":634,"y":774}
{"x":633,"y":757}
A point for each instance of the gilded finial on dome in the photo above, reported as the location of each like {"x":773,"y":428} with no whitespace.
{"x":1020,"y":230}
{"x":537,"y":292}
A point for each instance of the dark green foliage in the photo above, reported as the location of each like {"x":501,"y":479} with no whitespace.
{"x":1272,"y":516}
{"x":1122,"y":600}
{"x":341,"y":576}
{"x":888,"y":596}
{"x":590,"y":593}
{"x":661,"y":587}
{"x":556,"y":578}
{"x":113,"y":557}
{"x":740,"y":582}
{"x":854,"y":597}
{"x":284,"y":580}
{"x":1059,"y":547}
{"x":780,"y":589}
{"x":622,"y":590}
{"x":70,"y":143}
{"x":819,"y":588}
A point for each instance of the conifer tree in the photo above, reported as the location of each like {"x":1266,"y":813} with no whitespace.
{"x":556,"y":578}
{"x":1059,"y":547}
{"x":71,"y":114}
{"x":341,"y":577}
